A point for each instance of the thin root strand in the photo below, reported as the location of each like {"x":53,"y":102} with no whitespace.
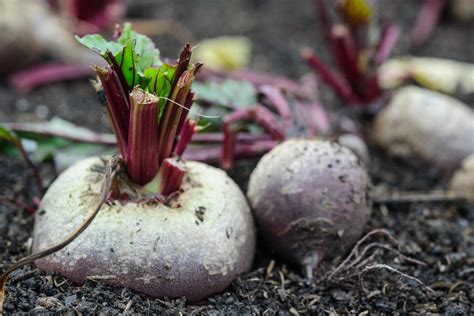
{"x":380,"y":266}
{"x":113,"y":166}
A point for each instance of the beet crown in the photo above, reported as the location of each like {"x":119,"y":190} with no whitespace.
{"x":147,"y":102}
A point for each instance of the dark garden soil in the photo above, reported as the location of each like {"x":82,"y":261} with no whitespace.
{"x":439,"y":235}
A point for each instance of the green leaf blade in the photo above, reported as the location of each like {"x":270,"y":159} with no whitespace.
{"x":9,"y":136}
{"x":99,"y":44}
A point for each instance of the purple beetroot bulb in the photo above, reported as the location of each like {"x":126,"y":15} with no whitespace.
{"x":310,"y":200}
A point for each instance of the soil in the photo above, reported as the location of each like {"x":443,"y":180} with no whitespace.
{"x":439,"y":235}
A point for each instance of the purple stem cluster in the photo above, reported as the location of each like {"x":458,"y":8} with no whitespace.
{"x":357,"y":81}
{"x":283,"y":105}
{"x":148,"y":139}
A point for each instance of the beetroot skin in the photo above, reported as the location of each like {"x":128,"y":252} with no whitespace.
{"x":193,"y":247}
{"x":310,"y":200}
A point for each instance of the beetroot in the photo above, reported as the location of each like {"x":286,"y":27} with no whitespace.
{"x":192,"y":247}
{"x":30,"y":30}
{"x":310,"y":200}
{"x":424,"y":125}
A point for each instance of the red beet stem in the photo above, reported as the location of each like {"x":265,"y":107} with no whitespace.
{"x":186,"y":134}
{"x":172,"y":173}
{"x":228,"y":148}
{"x":262,"y":116}
{"x":187,"y":105}
{"x":278,"y":101}
{"x":389,"y":38}
{"x":257,"y":113}
{"x":329,"y":78}
{"x":29,"y":79}
{"x":142,"y":160}
{"x":118,"y":106}
{"x":213,"y":153}
{"x":427,"y":20}
{"x":183,"y":63}
{"x":169,"y":122}
{"x":346,"y":57}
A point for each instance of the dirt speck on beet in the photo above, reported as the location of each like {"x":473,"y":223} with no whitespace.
{"x":200,"y":211}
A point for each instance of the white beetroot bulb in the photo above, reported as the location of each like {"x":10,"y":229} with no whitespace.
{"x":423,"y":125}
{"x":310,"y":200}
{"x":29,"y":30}
{"x":193,"y":247}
